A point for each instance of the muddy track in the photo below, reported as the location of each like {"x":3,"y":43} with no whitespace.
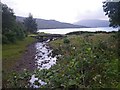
{"x":27,"y":60}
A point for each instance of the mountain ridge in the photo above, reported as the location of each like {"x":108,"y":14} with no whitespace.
{"x":51,"y":24}
{"x":93,"y":23}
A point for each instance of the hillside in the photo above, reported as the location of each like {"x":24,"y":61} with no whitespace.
{"x":93,"y":23}
{"x":51,"y":24}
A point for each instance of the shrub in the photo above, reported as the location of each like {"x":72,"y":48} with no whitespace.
{"x":67,"y":41}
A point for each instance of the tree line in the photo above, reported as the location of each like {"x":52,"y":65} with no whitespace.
{"x":13,"y":30}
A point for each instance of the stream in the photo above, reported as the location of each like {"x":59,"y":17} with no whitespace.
{"x":43,"y":60}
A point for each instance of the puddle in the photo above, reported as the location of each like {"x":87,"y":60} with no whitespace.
{"x":43,"y":60}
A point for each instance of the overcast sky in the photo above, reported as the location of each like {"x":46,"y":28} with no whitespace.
{"x":62,"y":10}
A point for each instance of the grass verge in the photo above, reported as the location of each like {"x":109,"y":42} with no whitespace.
{"x":11,"y":53}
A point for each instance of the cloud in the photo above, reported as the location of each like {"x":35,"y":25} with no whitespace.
{"x":62,"y":10}
{"x":92,"y":14}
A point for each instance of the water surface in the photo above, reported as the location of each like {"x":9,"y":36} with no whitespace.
{"x":67,"y":30}
{"x":43,"y":60}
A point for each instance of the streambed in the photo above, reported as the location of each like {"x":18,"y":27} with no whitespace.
{"x":44,"y":59}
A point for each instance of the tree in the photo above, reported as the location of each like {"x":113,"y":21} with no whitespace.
{"x":112,"y":9}
{"x":11,"y":29}
{"x":30,"y":24}
{"x":8,"y":18}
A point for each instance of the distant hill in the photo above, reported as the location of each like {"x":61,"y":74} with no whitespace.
{"x":51,"y":24}
{"x":93,"y":23}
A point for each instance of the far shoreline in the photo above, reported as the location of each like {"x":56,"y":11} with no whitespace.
{"x":68,"y":30}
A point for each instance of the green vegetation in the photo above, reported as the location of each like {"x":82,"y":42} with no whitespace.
{"x":13,"y":30}
{"x":30,"y":24}
{"x":11,"y":53}
{"x":14,"y":39}
{"x":18,"y":80}
{"x":67,"y":41}
{"x":86,"y":62}
{"x":112,"y":9}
